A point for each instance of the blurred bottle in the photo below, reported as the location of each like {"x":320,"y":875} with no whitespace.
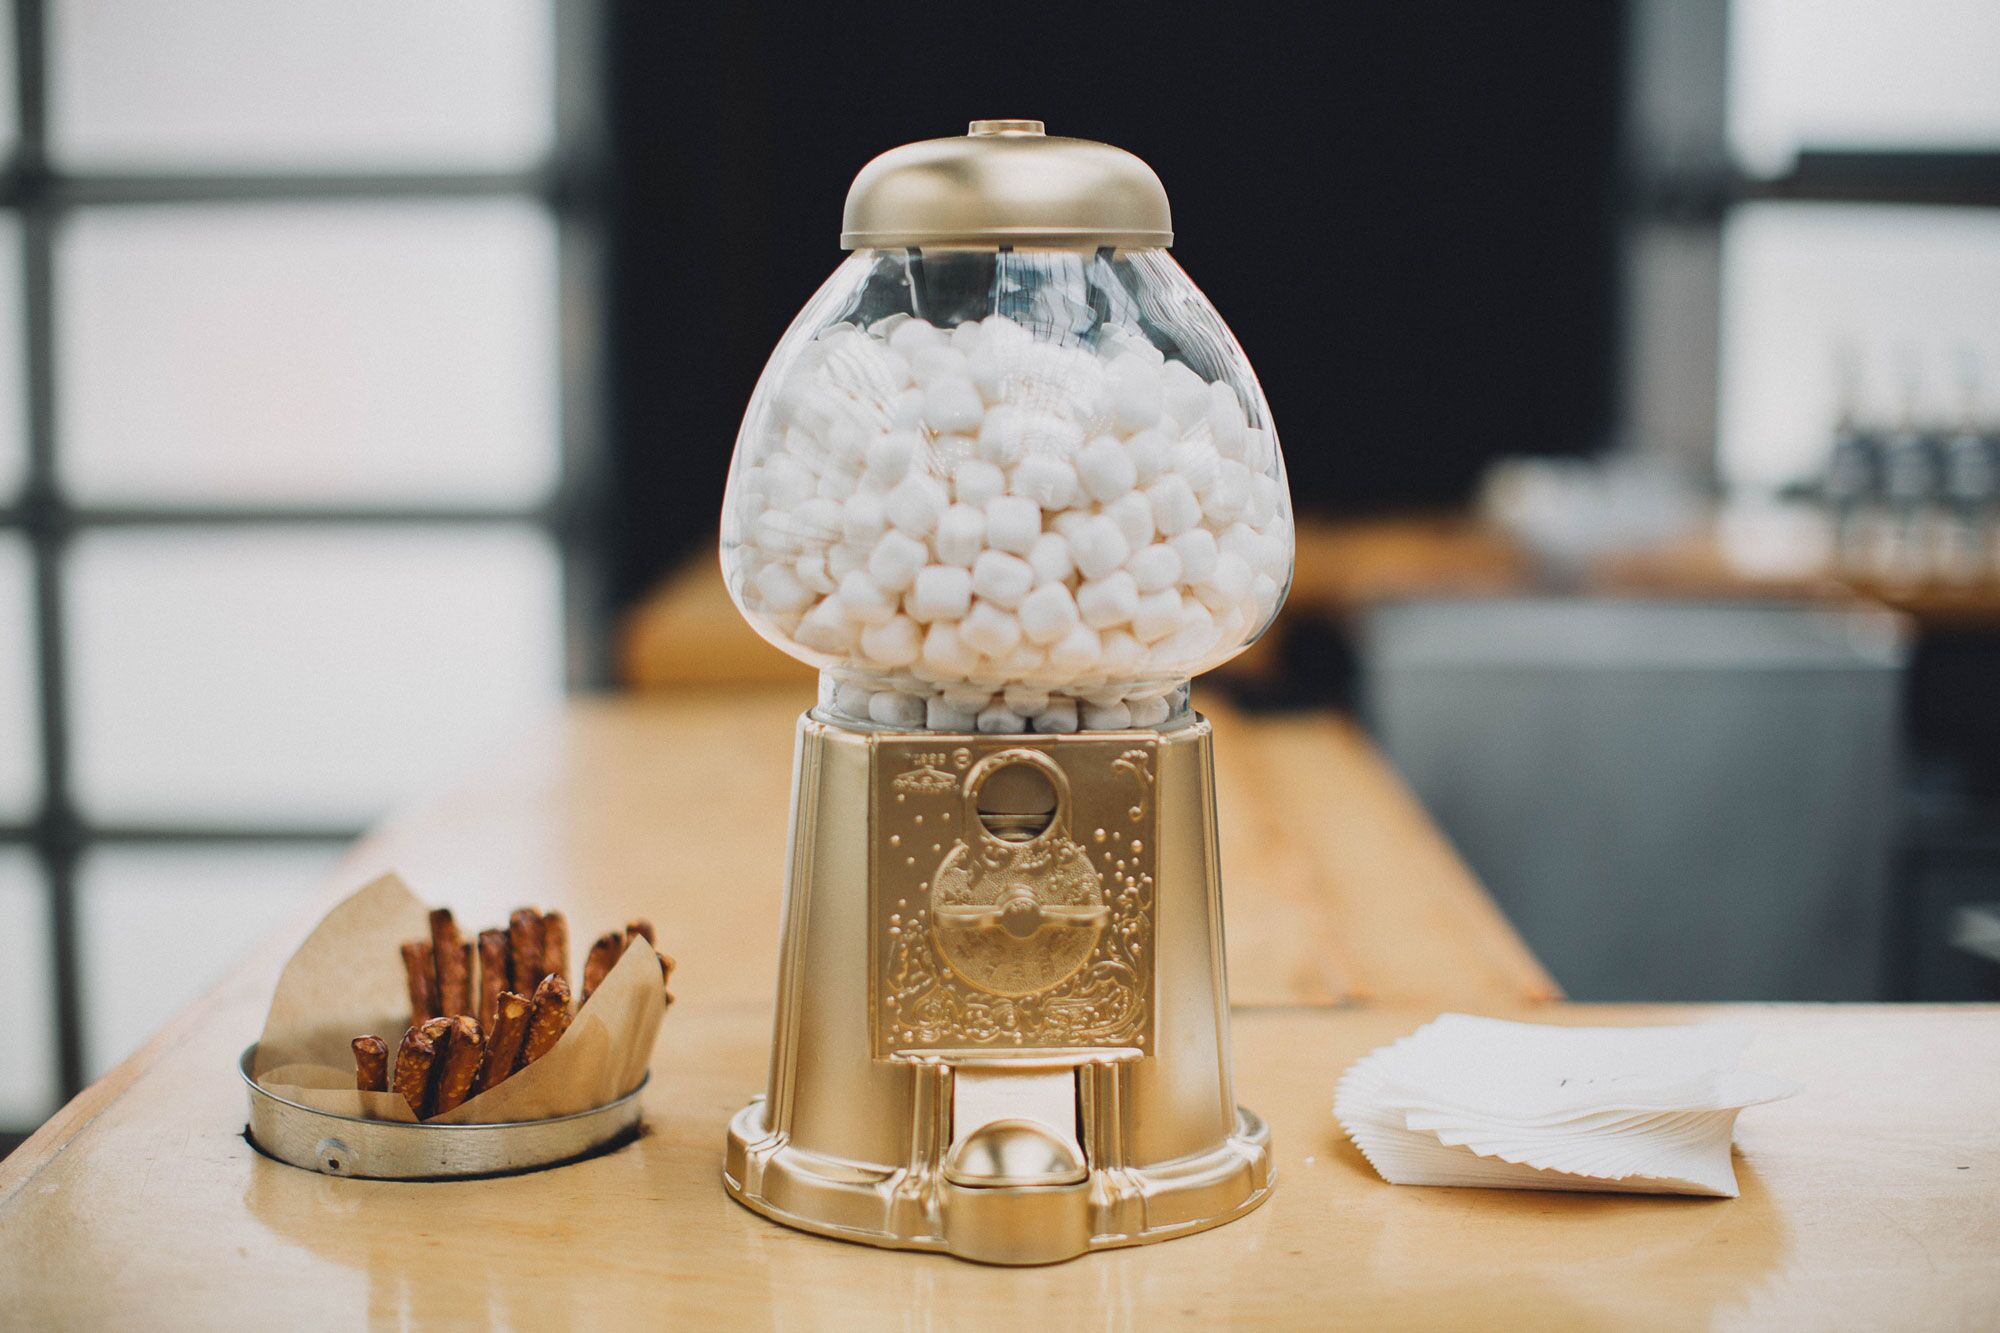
{"x":1971,"y":487}
{"x":1912,"y":492}
{"x":1852,"y":485}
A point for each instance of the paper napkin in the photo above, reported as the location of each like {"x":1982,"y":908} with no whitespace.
{"x":1481,"y":1101}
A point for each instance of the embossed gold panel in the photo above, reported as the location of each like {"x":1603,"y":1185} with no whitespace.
{"x":982,"y":942}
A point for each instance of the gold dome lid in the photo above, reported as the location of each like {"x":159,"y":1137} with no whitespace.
{"x":1005,"y":182}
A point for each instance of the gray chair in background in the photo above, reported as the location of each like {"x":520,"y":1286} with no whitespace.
{"x":1671,"y":801}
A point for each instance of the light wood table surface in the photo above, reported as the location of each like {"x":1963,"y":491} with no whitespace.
{"x":1871,"y":1201}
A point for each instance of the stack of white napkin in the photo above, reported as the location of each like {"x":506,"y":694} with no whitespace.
{"x":1479,"y":1101}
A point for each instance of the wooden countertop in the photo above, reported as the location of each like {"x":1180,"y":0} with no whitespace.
{"x":1872,"y":1200}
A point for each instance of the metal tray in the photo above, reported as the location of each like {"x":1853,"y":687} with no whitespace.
{"x":339,"y":1145}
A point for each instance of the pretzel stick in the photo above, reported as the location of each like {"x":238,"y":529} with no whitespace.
{"x":666,"y":976}
{"x":642,"y":928}
{"x":464,"y":1053}
{"x":454,"y":972}
{"x":420,"y":970}
{"x":492,"y":976}
{"x":549,"y":1020}
{"x":416,"y":1064}
{"x":524,"y":943}
{"x":555,"y":944}
{"x":503,"y":1047}
{"x":371,"y":1064}
{"x":603,"y":955}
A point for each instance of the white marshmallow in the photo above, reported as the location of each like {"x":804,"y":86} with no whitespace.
{"x":1059,"y":717}
{"x":971,"y":698}
{"x":775,"y":535}
{"x":1001,"y":578}
{"x":1195,"y":462}
{"x":999,"y":720}
{"x":779,"y":589}
{"x":1051,"y":559}
{"x":1197,"y":550}
{"x":1133,"y":513}
{"x":893,"y":709}
{"x":1259,"y":449}
{"x":861,"y":517}
{"x":1155,"y":567}
{"x":1150,"y":712}
{"x":1026,"y":662}
{"x":895,"y":560}
{"x":939,"y":362}
{"x":1121,"y":653}
{"x":915,"y":505}
{"x":961,"y":535}
{"x":864,"y":600}
{"x":1184,"y":393}
{"x":1003,"y":436}
{"x":1048,"y":613}
{"x":817,"y":520}
{"x":1077,"y":652}
{"x":977,"y":482}
{"x":952,"y":405}
{"x":890,"y":456}
{"x":941,"y":592}
{"x":1013,"y":524}
{"x":1175,"y":508}
{"x":1149,"y":450}
{"x":1192,"y":640}
{"x":825,"y":629}
{"x":1135,"y":392}
{"x":1227,"y":495}
{"x":1101,"y":547}
{"x":1044,"y":478}
{"x":1266,"y":500}
{"x":1264,"y":595}
{"x":1226,"y":585}
{"x":837,"y":485}
{"x":1225,"y":420}
{"x":811,"y":570}
{"x":1105,"y":470}
{"x":1108,"y":601}
{"x":906,"y":410}
{"x":993,"y":631}
{"x":942,"y":715}
{"x":844,"y":559}
{"x":912,"y":335}
{"x":896,"y":642}
{"x":1241,"y":541}
{"x":1105,"y":717}
{"x":947,"y":653}
{"x":788,"y":482}
{"x":1027,"y":700}
{"x":1157,"y":615}
{"x":851,"y":697}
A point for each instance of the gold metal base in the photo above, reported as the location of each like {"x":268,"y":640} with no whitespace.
{"x":1000,"y":1037}
{"x":905,"y":1210}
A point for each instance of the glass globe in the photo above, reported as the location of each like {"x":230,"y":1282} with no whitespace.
{"x":1008,"y":490}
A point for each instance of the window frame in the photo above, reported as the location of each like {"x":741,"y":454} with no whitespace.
{"x":39,"y":193}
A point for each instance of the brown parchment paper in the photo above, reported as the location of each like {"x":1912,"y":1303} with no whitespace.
{"x":347,"y":980}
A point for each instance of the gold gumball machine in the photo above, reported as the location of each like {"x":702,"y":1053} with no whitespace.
{"x":1009,"y":484}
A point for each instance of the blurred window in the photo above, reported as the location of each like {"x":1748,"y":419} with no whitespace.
{"x":1861,"y":74}
{"x":1860,"y":241}
{"x":370,"y":85}
{"x":289,"y":349}
{"x":1877,"y":309}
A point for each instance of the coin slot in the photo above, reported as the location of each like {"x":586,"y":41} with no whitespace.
{"x":1016,"y":803}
